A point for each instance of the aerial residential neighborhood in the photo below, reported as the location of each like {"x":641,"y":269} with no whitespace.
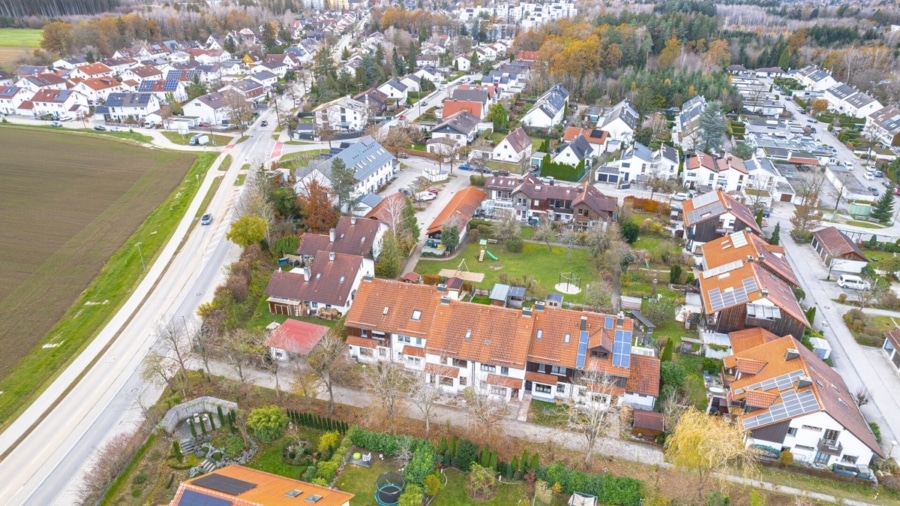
{"x":501,"y":253}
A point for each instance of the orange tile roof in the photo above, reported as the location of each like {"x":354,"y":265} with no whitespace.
{"x":749,"y":366}
{"x":295,"y":336}
{"x":269,"y":489}
{"x":389,"y":306}
{"x":649,"y":420}
{"x":748,"y":338}
{"x":481,"y":333}
{"x":362,"y":342}
{"x":414,"y":351}
{"x":644,"y":377}
{"x":745,"y":246}
{"x":829,"y":388}
{"x":442,"y":370}
{"x":462,"y":206}
{"x":389,"y":209}
{"x":546,"y":379}
{"x":503,"y":381}
{"x":452,"y":107}
{"x":93,"y":69}
{"x":592,"y":136}
{"x":726,"y":204}
{"x":761,"y":399}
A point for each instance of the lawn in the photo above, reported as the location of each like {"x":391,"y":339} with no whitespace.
{"x":136,"y":195}
{"x":877,"y":256}
{"x":269,"y":459}
{"x":361,"y":481}
{"x":534,"y":260}
{"x":300,"y":158}
{"x":185,"y":140}
{"x":547,"y":413}
{"x":16,"y":43}
{"x":865,"y":224}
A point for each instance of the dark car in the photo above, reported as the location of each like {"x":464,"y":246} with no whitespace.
{"x":206,"y":219}
{"x":264,"y":123}
{"x":204,"y":124}
{"x":100,"y":128}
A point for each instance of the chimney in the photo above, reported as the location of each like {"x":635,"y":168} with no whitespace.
{"x":764,"y":292}
{"x":804,"y":381}
{"x":331,"y":256}
{"x":539,"y":305}
{"x":760,"y":257}
{"x":620,"y":319}
{"x":441,"y":288}
{"x":526,"y":312}
{"x":331,"y":235}
{"x":445,"y":301}
{"x":583,"y":323}
{"x":306,"y":274}
{"x":353,"y":220}
{"x":791,"y":354}
{"x":749,"y":258}
{"x":367,"y":278}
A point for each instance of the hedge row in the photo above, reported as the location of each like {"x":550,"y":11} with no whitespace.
{"x":609,"y":489}
{"x":316,"y":422}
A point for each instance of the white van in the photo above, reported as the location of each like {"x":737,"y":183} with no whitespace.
{"x":851,"y":281}
{"x":200,"y":140}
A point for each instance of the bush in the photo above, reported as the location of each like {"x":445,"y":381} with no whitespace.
{"x":267,"y":423}
{"x":672,"y":374}
{"x":477,"y":180}
{"x":609,"y":489}
{"x":876,"y":431}
{"x":675,"y":274}
{"x":630,"y":232}
{"x":466,"y":454}
{"x":515,"y":245}
{"x":411,"y":496}
{"x":712,"y":365}
{"x":327,"y":471}
{"x":421,"y":465}
{"x":432,"y":485}
{"x":786,"y":458}
{"x":328,"y":441}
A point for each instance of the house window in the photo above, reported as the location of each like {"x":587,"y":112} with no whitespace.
{"x":498,"y":391}
{"x":365,"y":352}
{"x":541,"y":368}
{"x":488,"y":367}
{"x":459,"y":363}
{"x":792,"y":431}
{"x":404,"y":339}
{"x":462,"y":381}
{"x":417,"y":315}
{"x":810,"y":427}
{"x":418,"y":341}
{"x":382,"y":352}
{"x":848,"y":459}
{"x":414,"y":361}
{"x":364,"y":332}
{"x":805,"y":448}
{"x":447,"y":382}
{"x":560,"y":388}
{"x":504,"y":371}
{"x":559,"y":371}
{"x":542,"y":389}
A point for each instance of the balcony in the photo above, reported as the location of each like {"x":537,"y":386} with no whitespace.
{"x":830,"y":446}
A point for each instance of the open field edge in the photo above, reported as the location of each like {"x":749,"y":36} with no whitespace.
{"x":118,"y":278}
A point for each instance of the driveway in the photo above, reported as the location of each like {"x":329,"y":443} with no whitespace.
{"x":860,"y":367}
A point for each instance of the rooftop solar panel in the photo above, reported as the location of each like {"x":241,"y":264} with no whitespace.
{"x":583,"y":339}
{"x":224,"y":484}
{"x":705,"y":199}
{"x":192,"y":498}
{"x":608,"y":323}
{"x":622,"y":349}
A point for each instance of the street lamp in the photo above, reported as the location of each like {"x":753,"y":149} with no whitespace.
{"x":891,"y":453}
{"x":138,"y":245}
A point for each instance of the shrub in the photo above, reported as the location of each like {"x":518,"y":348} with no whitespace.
{"x":421,"y":465}
{"x":466,"y":454}
{"x":328,"y":441}
{"x":675,"y":274}
{"x":327,"y":471}
{"x":411,"y":496}
{"x":432,"y":485}
{"x":672,"y":374}
{"x":876,"y":431}
{"x":666,"y":355}
{"x":842,"y":298}
{"x":609,"y":489}
{"x":630,"y":232}
{"x":712,"y":365}
{"x":786,"y":458}
{"x":515,"y":245}
{"x":267,"y":423}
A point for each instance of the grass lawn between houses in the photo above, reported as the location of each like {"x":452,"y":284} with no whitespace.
{"x":534,"y":260}
{"x":185,"y":140}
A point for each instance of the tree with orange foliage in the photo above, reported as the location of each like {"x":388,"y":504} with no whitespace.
{"x":718,"y":54}
{"x":670,"y":53}
{"x":317,"y":203}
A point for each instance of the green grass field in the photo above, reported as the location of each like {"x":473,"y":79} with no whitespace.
{"x":18,"y":37}
{"x":534,"y":260}
{"x":74,"y":208}
{"x":184,"y":140}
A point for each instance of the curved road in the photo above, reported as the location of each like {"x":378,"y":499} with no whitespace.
{"x":47,"y":456}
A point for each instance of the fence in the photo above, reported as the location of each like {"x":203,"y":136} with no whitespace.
{"x":187,"y":409}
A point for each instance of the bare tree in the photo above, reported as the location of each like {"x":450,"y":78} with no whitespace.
{"x":389,"y":382}
{"x":545,"y":231}
{"x":593,"y":394}
{"x":806,"y":213}
{"x":240,"y":110}
{"x":485,"y":410}
{"x":306,"y":381}
{"x":108,"y":463}
{"x":273,"y":366}
{"x":173,"y":336}
{"x":424,"y":395}
{"x":242,"y":348}
{"x":326,"y":360}
{"x":159,"y":369}
{"x":861,"y":396}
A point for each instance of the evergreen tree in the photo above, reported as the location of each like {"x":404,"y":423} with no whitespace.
{"x":712,"y":127}
{"x":450,"y":237}
{"x":759,"y":218}
{"x":343,"y":180}
{"x":389,"y":261}
{"x":775,"y":238}
{"x":884,"y":207}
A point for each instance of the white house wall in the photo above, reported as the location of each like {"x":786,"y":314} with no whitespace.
{"x":803,"y":444}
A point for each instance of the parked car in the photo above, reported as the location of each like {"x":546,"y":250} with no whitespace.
{"x":100,"y":128}
{"x":56,"y":124}
{"x":199,"y":140}
{"x":878,"y":173}
{"x":264,"y":123}
{"x":402,"y":156}
{"x":204,"y":124}
{"x":869,"y":176}
{"x":465,"y":166}
{"x":425,"y":196}
{"x":206,"y":219}
{"x":433,"y":190}
{"x":678,"y":197}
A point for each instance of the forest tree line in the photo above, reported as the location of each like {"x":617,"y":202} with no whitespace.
{"x":55,"y":8}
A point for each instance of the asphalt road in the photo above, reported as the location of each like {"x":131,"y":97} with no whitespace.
{"x":47,"y":466}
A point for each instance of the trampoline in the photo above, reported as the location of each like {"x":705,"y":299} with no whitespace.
{"x":388,"y":488}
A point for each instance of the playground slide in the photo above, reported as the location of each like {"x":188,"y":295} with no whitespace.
{"x":490,"y":255}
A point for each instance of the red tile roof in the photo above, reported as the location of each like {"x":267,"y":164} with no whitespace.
{"x":389,"y":306}
{"x":546,"y":379}
{"x":503,"y":381}
{"x":745,"y":246}
{"x":838,"y":245}
{"x":331,"y":280}
{"x":461,"y":207}
{"x":442,"y":370}
{"x":452,"y":107}
{"x":414,"y":351}
{"x":294,"y":336}
{"x":352,"y":236}
{"x":648,"y":420}
{"x":644,"y":376}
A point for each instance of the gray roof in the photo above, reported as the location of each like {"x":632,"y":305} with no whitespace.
{"x":887,"y":118}
{"x":128,"y":99}
{"x":581,"y":147}
{"x":365,"y":156}
{"x":860,"y":100}
{"x":761,"y":164}
{"x":499,"y":292}
{"x":691,"y":109}
{"x":265,"y":74}
{"x":396,"y":84}
{"x":245,"y":85}
{"x":841,"y":91}
{"x":462,"y":123}
{"x":640,"y":151}
{"x":625,"y":111}
{"x":474,"y":95}
{"x":370,"y":200}
{"x":669,"y":153}
{"x":553,"y":101}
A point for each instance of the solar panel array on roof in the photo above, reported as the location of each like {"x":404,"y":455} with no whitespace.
{"x":192,"y":498}
{"x":763,"y":312}
{"x":738,"y":239}
{"x":224,"y":484}
{"x":146,"y":85}
{"x":720,"y":300}
{"x":622,"y":349}
{"x":722,"y":268}
{"x":715,"y":208}
{"x":782,"y":382}
{"x":583,"y":339}
{"x":705,"y":199}
{"x":792,"y":404}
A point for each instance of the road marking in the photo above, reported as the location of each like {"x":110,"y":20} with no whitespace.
{"x":276,"y":151}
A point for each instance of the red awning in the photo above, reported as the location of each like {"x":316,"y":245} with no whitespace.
{"x":545,"y":379}
{"x":504,"y":381}
{"x":362,"y":342}
{"x":442,"y":370}
{"x":414,"y":351}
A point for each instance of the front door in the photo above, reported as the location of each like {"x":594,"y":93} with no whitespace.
{"x":821,"y":458}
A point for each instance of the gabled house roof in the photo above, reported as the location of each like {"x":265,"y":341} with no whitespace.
{"x":396,"y":84}
{"x":841,"y":91}
{"x":128,"y":99}
{"x":594,"y":199}
{"x":699,"y":159}
{"x":711,"y":205}
{"x":295,"y":336}
{"x":93,"y":69}
{"x":352,"y":236}
{"x":453,"y":106}
{"x":373,"y":95}
{"x":624,"y":111}
{"x":236,"y":485}
{"x":743,"y":246}
{"x":551,"y":102}
{"x":461,"y":123}
{"x":593,"y":136}
{"x":669,"y":153}
{"x":639,"y":151}
{"x":146,"y":71}
{"x":748,"y":338}
{"x":52,"y":96}
{"x":887,"y":118}
{"x":461,"y":207}
{"x":101,"y":83}
{"x":392,"y":306}
{"x":792,"y":381}
{"x":388,"y":210}
{"x":365,"y":157}
{"x":518,"y":139}
{"x":739,"y":284}
{"x":580,"y":147}
{"x":213,"y":100}
{"x":838,"y":245}
{"x":330,"y":281}
{"x":45,"y":79}
{"x":470,"y":95}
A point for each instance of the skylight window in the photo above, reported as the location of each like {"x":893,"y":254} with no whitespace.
{"x":417,"y":315}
